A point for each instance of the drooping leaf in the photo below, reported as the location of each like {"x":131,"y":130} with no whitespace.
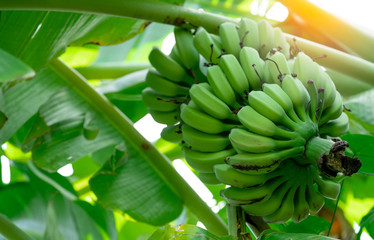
{"x":312,"y":224}
{"x":13,"y":69}
{"x":275,"y":235}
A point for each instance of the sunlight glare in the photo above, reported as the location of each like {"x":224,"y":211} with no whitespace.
{"x":5,"y":170}
{"x":168,"y":44}
{"x":66,"y":170}
{"x":277,"y":12}
{"x":150,"y":129}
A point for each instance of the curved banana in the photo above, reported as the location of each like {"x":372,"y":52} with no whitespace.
{"x":221,"y":86}
{"x":174,"y":54}
{"x":260,"y":163}
{"x":261,"y":125}
{"x":329,"y":88}
{"x":306,"y":69}
{"x":253,"y":67}
{"x":229,"y":34}
{"x":235,"y":74}
{"x":159,"y":102}
{"x":276,"y":66}
{"x":204,"y":162}
{"x":202,"y":121}
{"x":336,"y":127}
{"x":186,"y":49}
{"x":334,"y":111}
{"x":163,"y":86}
{"x":281,"y":43}
{"x":254,"y":143}
{"x":315,"y":199}
{"x":204,"y":142}
{"x":205,"y":45}
{"x":327,"y":188}
{"x":266,"y":35}
{"x":168,"y":118}
{"x":248,"y":33}
{"x":172,"y":133}
{"x":269,"y":108}
{"x":208,"y":178}
{"x":202,"y":94}
{"x":301,"y":210}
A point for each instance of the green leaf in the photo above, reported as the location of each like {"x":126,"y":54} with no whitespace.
{"x":362,"y":109}
{"x":312,"y":224}
{"x":13,"y":69}
{"x":132,"y":186}
{"x":367,"y":222}
{"x":37,"y":37}
{"x":186,"y":232}
{"x":132,"y":230}
{"x":362,"y":147}
{"x":275,"y":235}
{"x":51,"y":229}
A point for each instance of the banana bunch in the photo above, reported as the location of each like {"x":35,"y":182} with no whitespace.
{"x":249,"y":117}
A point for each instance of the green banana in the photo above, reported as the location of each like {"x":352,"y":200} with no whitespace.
{"x":248,"y":33}
{"x":327,"y":188}
{"x":269,"y":108}
{"x":280,"y":96}
{"x":221,"y":86}
{"x":281,"y":43}
{"x":261,"y":125}
{"x":163,"y":86}
{"x":298,"y":95}
{"x":206,"y":46}
{"x":276,"y":66}
{"x":253,"y":67}
{"x":324,"y":81}
{"x":266,"y":35}
{"x":174,"y":54}
{"x":271,"y":205}
{"x":172,"y":133}
{"x":336,"y":127}
{"x":168,"y":67}
{"x":204,"y":142}
{"x":305,"y":69}
{"x":204,"y":162}
{"x":202,"y":94}
{"x":301,"y":210}
{"x":285,"y":211}
{"x":254,"y":143}
{"x":202,"y":121}
{"x":260,"y":163}
{"x":334,"y":111}
{"x":159,"y":102}
{"x":315,"y":199}
{"x":314,"y":104}
{"x":229,"y":34}
{"x":230,"y":176}
{"x":245,"y":196}
{"x":168,"y":118}
{"x":186,"y":49}
{"x":208,"y":178}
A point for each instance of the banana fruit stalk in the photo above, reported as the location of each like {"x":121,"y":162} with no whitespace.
{"x":253,"y":116}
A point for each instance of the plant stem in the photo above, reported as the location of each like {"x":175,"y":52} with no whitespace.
{"x":155,"y":159}
{"x":11,"y":231}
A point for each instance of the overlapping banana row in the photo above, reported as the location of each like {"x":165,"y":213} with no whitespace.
{"x":251,"y":118}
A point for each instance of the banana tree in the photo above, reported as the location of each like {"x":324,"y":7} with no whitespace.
{"x":76,"y":75}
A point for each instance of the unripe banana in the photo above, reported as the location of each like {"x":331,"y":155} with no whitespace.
{"x":315,"y":199}
{"x":281,"y":97}
{"x":186,"y":49}
{"x":221,"y":86}
{"x":163,"y":86}
{"x":209,"y":178}
{"x":159,"y":102}
{"x":305,"y":69}
{"x":228,"y":32}
{"x":230,"y":176}
{"x":174,"y":54}
{"x":202,"y":121}
{"x":269,"y":108}
{"x":172,"y":133}
{"x":204,"y":142}
{"x":248,"y":33}
{"x":266,"y":34}
{"x":336,"y":127}
{"x":168,"y":118}
{"x":202,"y":94}
{"x":271,"y":205}
{"x":298,"y":94}
{"x":276,"y":66}
{"x":281,"y":43}
{"x":168,"y":67}
{"x":235,"y":74}
{"x":315,"y":104}
{"x":206,"y":46}
{"x":259,"y":124}
{"x":204,"y":162}
{"x":327,"y":188}
{"x":301,"y":210}
{"x":260,"y":163}
{"x":285,"y":211}
{"x":253,"y":67}
{"x":334,"y":111}
{"x":244,"y":196}
{"x":254,"y":143}
{"x":329,"y":88}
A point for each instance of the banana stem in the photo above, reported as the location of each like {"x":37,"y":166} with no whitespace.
{"x":155,"y":159}
{"x":232,"y":220}
{"x":11,"y":231}
{"x":110,"y":70}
